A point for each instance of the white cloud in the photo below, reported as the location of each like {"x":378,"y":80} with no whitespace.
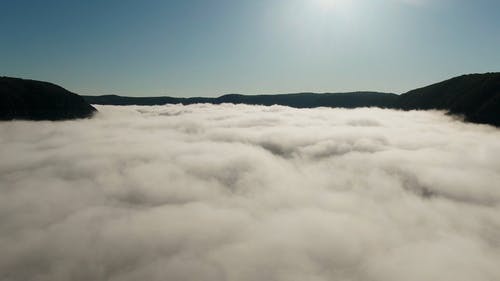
{"x":236,"y":192}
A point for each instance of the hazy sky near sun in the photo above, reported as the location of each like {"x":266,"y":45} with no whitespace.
{"x":208,"y":48}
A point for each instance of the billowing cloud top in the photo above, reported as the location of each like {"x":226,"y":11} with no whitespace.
{"x":236,"y":192}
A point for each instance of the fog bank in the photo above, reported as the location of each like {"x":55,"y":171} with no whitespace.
{"x":247,"y":193}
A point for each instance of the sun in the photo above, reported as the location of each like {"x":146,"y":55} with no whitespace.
{"x":326,"y":3}
{"x":332,"y":4}
{"x":338,"y":8}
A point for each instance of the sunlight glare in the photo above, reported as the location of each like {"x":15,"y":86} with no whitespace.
{"x":332,"y":4}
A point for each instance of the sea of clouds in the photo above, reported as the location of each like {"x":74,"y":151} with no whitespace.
{"x":250,"y":193}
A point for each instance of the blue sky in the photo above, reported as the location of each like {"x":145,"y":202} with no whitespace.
{"x":213,"y":47}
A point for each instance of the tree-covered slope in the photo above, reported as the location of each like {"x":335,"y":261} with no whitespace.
{"x":37,"y":100}
{"x":299,"y":100}
{"x":476,"y":96}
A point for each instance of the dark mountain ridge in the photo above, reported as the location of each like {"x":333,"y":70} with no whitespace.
{"x":298,"y":100}
{"x":474,"y":96}
{"x":37,"y":100}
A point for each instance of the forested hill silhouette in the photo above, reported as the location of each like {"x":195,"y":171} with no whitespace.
{"x":36,"y":100}
{"x":300,"y":100}
{"x":475,"y":96}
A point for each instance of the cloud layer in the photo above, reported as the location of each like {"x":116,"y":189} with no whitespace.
{"x":236,"y":192}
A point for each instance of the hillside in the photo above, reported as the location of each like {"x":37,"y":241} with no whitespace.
{"x":37,"y":100}
{"x":475,"y":96}
{"x":300,"y":100}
